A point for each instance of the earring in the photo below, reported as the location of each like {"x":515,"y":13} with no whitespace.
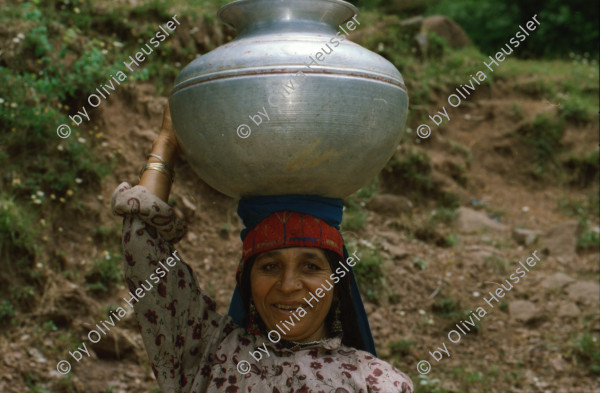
{"x":337,"y":328}
{"x":252,"y":318}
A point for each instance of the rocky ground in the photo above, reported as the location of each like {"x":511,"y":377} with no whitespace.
{"x":527,"y":342}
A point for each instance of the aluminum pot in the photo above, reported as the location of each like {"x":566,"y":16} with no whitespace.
{"x":290,"y":106}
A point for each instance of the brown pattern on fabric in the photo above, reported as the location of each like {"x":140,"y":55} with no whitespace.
{"x":193,"y":349}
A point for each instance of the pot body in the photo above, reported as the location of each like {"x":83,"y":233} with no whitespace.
{"x":290,"y":106}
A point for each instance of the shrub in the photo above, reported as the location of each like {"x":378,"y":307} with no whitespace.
{"x":369,"y":275}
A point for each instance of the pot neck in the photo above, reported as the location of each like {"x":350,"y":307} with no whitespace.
{"x":255,"y":17}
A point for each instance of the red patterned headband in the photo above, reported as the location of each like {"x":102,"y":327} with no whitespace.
{"x":288,"y":229}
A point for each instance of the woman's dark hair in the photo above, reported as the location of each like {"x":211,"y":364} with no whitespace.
{"x":351,"y":334}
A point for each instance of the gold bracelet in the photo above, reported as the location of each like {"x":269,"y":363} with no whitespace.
{"x":160,"y":168}
{"x":159,"y":158}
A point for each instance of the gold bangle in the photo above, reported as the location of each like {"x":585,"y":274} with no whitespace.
{"x":160,"y":168}
{"x":162,"y":160}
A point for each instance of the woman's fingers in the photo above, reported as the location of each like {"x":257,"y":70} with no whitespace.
{"x":167,"y":135}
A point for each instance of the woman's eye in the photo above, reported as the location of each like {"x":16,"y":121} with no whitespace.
{"x":269,"y":267}
{"x":312,"y":266}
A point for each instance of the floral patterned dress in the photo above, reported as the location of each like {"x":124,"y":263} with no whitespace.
{"x":194,"y":349}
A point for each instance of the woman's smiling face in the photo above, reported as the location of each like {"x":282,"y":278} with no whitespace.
{"x":281,"y":279}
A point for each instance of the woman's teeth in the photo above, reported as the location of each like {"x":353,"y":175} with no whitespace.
{"x":284,"y":307}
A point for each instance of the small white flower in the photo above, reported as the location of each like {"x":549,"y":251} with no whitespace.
{"x":1,"y":100}
{"x":60,"y":148}
{"x":422,"y":312}
{"x":81,"y":140}
{"x":37,"y":201}
{"x":104,"y":52}
{"x":476,"y":294}
{"x":21,"y":36}
{"x":525,"y":208}
{"x":13,"y":105}
{"x":16,"y":40}
{"x":39,"y":265}
{"x":402,"y":313}
{"x":78,"y":180}
{"x":118,"y":44}
{"x":40,"y":193}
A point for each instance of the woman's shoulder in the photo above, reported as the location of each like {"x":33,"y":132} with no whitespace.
{"x":377,"y":373}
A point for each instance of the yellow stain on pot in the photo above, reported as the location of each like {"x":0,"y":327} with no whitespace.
{"x":309,"y":157}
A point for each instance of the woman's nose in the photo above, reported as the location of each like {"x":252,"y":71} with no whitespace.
{"x":289,"y":281}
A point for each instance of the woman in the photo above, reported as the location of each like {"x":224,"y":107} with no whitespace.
{"x":296,"y":321}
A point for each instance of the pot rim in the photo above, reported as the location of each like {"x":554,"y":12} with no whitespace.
{"x":229,"y":8}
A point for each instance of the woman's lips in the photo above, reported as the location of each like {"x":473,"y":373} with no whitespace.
{"x":288,"y":309}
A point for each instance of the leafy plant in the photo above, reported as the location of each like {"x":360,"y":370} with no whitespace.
{"x":446,"y":308}
{"x":369,"y":275}
{"x":7,"y":313}
{"x":587,"y":350}
{"x":543,"y":136}
{"x":105,"y":273}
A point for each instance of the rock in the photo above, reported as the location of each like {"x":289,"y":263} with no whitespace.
{"x":412,"y":25}
{"x":557,"y":281}
{"x":523,"y":310}
{"x":584,"y":291}
{"x":470,"y":220}
{"x":568,"y":310}
{"x":36,"y":355}
{"x":558,"y":363}
{"x":389,"y":204}
{"x":114,"y":345}
{"x":525,"y":237}
{"x":561,"y":239}
{"x":447,"y":29}
{"x":396,"y":251}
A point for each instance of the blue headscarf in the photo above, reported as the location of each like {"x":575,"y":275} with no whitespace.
{"x":253,"y":210}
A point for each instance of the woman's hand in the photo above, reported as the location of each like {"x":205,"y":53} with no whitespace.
{"x":166,"y":142}
{"x":167,"y":148}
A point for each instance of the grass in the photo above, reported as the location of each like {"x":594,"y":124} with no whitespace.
{"x":447,"y":308}
{"x":409,"y":173}
{"x":369,"y":274}
{"x":499,"y":264}
{"x":355,"y":216}
{"x":582,"y":210}
{"x":543,"y":136}
{"x":587,"y":350}
{"x":7,"y":313}
{"x":105,"y":273}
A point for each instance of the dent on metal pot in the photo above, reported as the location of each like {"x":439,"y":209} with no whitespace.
{"x":290,"y":106}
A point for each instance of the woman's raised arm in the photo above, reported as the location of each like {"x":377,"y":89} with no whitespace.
{"x":167,"y":148}
{"x":179,"y":325}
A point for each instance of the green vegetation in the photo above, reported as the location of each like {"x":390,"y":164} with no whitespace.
{"x":447,"y":308}
{"x":424,"y":384}
{"x":355,"y":216}
{"x":401,"y":348}
{"x":582,"y":170}
{"x":564,"y":26}
{"x":543,"y":136}
{"x":370,"y":275}
{"x":587,"y":351}
{"x":7,"y":313}
{"x":105,"y":273}
{"x":499,"y":264}
{"x":410,"y":174}
{"x":583,"y":210}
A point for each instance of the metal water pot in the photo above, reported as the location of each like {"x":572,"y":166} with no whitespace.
{"x":290,"y":106}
